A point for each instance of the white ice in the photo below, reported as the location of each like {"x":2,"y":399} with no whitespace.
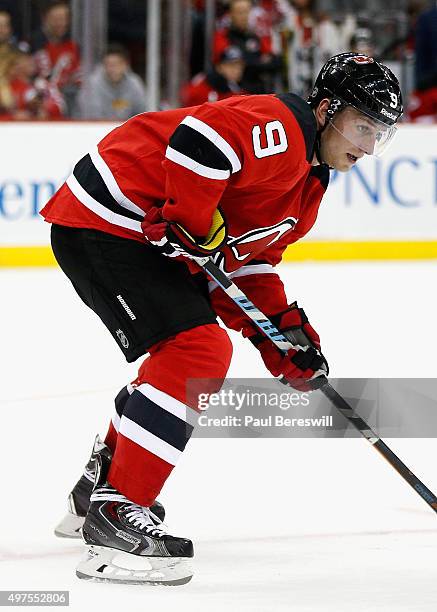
{"x":301,"y":524}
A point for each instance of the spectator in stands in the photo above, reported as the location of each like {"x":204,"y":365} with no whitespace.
{"x":261,"y":63}
{"x":402,"y":46}
{"x":422,"y":105}
{"x":126,"y":25}
{"x":222,"y":81}
{"x":30,"y":98}
{"x":56,"y":54}
{"x":7,"y":43}
{"x":265,"y":20}
{"x":113,"y":91}
{"x":198,"y":26}
{"x":7,"y":59}
{"x":426,"y":49}
{"x":15,"y":13}
{"x":310,"y":38}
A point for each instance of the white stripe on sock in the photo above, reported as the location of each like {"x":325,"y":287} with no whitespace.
{"x":149,"y":441}
{"x":165,"y":401}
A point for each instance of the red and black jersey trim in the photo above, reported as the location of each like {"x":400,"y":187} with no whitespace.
{"x":322,"y":173}
{"x":305,"y":118}
{"x":200,"y":149}
{"x":91,"y":181}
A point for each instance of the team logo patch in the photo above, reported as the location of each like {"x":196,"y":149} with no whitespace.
{"x":363,"y":59}
{"x":122,"y":337}
{"x":239,"y":249}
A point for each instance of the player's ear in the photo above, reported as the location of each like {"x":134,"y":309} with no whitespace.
{"x":321,"y":110}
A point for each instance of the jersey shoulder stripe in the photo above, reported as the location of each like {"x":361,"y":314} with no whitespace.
{"x":197,"y":147}
{"x":200,"y":148}
{"x":304,"y":117}
{"x":187,"y":162}
{"x":215,"y":138}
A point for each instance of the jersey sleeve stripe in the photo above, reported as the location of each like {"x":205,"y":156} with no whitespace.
{"x":262,"y":268}
{"x":197,"y":147}
{"x":216,"y":139}
{"x":99,"y":209}
{"x":194,"y":166}
{"x":111,"y":183}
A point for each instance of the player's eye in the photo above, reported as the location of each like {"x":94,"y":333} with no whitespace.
{"x":363,"y":129}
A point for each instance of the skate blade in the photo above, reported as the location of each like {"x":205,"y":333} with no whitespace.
{"x":101,"y":564}
{"x":70,"y":526}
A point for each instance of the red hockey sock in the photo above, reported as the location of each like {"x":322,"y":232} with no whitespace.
{"x":155,"y":425}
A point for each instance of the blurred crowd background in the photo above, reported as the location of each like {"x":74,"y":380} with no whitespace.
{"x":111,"y":59}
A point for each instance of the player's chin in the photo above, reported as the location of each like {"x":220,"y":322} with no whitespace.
{"x":345,"y":162}
{"x":343,"y":165}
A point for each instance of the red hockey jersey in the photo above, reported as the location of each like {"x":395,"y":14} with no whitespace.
{"x":249,"y":154}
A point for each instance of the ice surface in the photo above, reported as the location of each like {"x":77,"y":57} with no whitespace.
{"x":302,"y":524}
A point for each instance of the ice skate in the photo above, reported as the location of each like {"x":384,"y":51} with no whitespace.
{"x":127,"y":543}
{"x":79,"y":498}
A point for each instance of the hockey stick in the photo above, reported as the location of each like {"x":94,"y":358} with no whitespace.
{"x":267,"y":327}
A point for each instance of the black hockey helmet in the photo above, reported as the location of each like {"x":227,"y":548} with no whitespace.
{"x":352,"y":79}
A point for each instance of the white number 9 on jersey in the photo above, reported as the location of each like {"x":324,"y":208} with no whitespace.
{"x":274,"y":130}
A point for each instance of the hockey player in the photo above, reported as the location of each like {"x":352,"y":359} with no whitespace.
{"x":238,"y":180}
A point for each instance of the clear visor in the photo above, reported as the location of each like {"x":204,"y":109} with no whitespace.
{"x":362,"y":131}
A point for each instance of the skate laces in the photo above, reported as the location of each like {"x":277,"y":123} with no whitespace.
{"x":144,"y":518}
{"x":139,"y":516}
{"x":107,"y":494}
